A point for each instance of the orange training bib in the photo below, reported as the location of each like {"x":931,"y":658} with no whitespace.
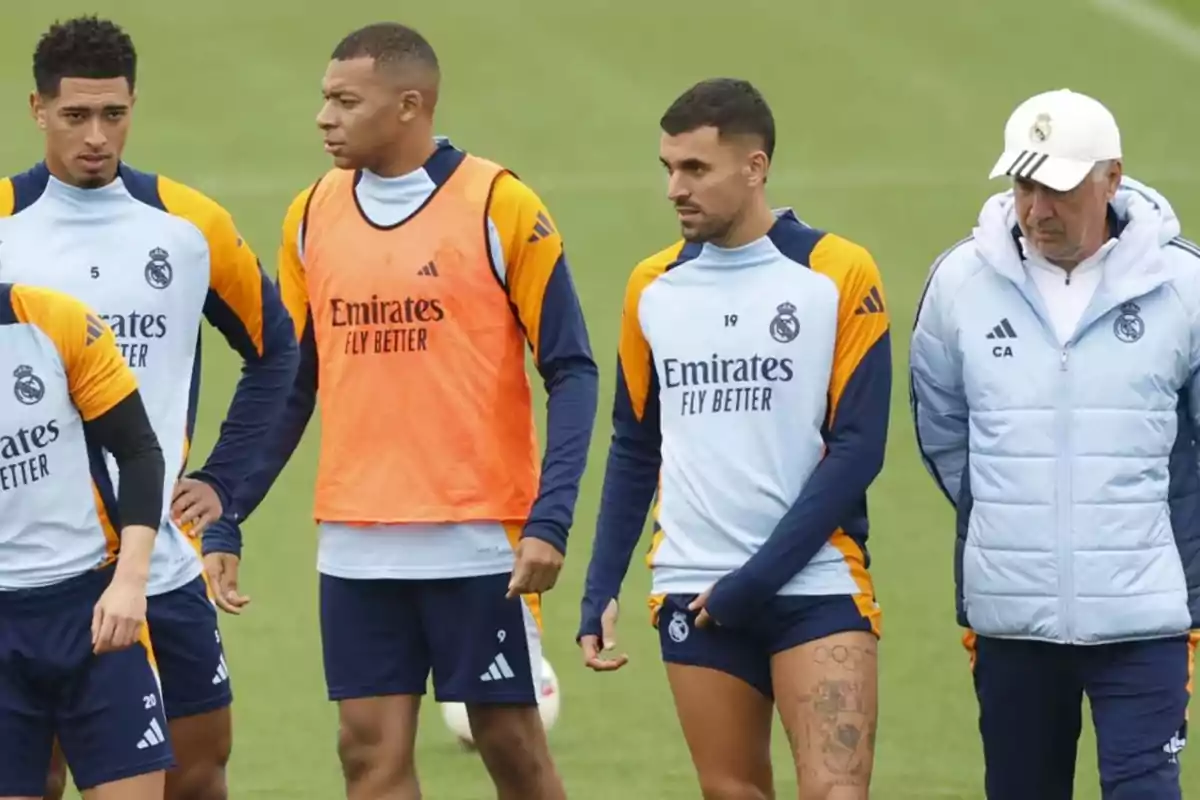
{"x":426,"y":412}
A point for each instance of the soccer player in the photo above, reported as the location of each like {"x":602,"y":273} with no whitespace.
{"x":1056,"y":400}
{"x":753,"y":383}
{"x":154,"y":258}
{"x":74,"y":559}
{"x":417,"y":276}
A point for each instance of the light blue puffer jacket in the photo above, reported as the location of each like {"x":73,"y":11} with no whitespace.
{"x":1073,"y":468}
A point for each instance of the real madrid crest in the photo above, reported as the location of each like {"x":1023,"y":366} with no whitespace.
{"x":158,"y":271}
{"x":785,"y":327}
{"x":1129,"y":325}
{"x":29,"y":388}
{"x":1041,"y":128}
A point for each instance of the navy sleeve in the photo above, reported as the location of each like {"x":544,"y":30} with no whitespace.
{"x":266,"y":378}
{"x":834,"y":494}
{"x":630,"y":482}
{"x":225,"y":536}
{"x":125,"y":431}
{"x":572,"y":385}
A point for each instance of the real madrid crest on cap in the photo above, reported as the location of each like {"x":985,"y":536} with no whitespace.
{"x":29,"y":389}
{"x":1040,"y":130}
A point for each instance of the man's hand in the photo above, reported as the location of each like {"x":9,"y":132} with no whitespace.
{"x":222,"y":571}
{"x":703,"y":619}
{"x":119,"y":615}
{"x":590,"y":644}
{"x":536,"y":568}
{"x":194,"y":506}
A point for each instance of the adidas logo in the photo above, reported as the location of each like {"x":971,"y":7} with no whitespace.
{"x":498,"y":671}
{"x":429,"y":269}
{"x":871,"y":304}
{"x":222,"y":672}
{"x":95,"y":329}
{"x":541,"y":229}
{"x":152,"y":737}
{"x":1003,"y":331}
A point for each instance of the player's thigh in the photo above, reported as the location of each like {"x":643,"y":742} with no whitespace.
{"x":191,"y":661}
{"x":139,"y":787}
{"x":1138,"y":692}
{"x":377,"y":739}
{"x":825,"y":674}
{"x":720,"y":682}
{"x":113,"y":726}
{"x":56,"y":779}
{"x":1030,"y":697}
{"x":372,"y":638}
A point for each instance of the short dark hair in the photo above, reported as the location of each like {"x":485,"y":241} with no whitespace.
{"x":732,"y":106}
{"x":83,"y":47}
{"x":387,"y":43}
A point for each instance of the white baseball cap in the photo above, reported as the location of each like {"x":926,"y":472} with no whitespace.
{"x":1055,"y":139}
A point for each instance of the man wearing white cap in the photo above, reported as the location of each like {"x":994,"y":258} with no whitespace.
{"x":1056,"y":398}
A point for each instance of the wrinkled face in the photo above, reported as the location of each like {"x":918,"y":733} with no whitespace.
{"x":710,"y":179}
{"x":1064,"y":226}
{"x":365,"y":112}
{"x":86,"y":125}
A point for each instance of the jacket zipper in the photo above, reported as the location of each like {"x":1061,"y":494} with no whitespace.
{"x":1065,"y":537}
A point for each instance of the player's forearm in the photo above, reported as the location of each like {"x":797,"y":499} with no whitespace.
{"x":133,"y":562}
{"x":833,"y":494}
{"x":126,"y":432}
{"x":630,"y":481}
{"x":266,"y":381}
{"x":570,"y":417}
{"x":283,"y":439}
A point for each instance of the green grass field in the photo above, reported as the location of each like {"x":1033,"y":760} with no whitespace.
{"x":889,"y":115}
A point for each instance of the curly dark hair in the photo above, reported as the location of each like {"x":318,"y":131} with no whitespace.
{"x":83,"y":47}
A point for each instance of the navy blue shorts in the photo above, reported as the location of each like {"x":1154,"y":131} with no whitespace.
{"x":745,"y":653}
{"x":187,"y":644}
{"x":1030,"y":715}
{"x":106,"y":711}
{"x":384,"y":637}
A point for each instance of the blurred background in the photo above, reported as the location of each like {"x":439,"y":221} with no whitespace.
{"x":890,"y":115}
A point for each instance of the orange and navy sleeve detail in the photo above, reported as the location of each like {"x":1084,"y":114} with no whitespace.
{"x":540,"y":289}
{"x":98,"y":378}
{"x":293,"y":286}
{"x":634,"y":454}
{"x":104,"y":390}
{"x":244,"y":306}
{"x":855,"y":432}
{"x":292,"y":415}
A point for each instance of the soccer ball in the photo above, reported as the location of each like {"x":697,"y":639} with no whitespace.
{"x":455,"y":714}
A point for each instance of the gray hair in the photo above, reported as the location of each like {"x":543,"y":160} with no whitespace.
{"x":1101,"y":169}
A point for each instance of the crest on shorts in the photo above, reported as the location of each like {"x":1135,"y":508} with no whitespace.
{"x":1129,"y":326}
{"x":785,"y":326}
{"x":1041,"y":128}
{"x":678,"y":628}
{"x":159,"y":272}
{"x":29,"y":388}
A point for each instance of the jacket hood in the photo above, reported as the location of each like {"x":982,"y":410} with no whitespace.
{"x":1148,"y":224}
